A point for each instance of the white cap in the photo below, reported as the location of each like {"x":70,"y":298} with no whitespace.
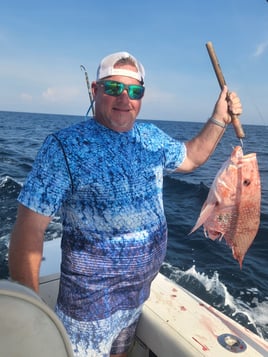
{"x":106,"y":67}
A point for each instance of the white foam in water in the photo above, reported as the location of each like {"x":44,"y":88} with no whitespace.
{"x":260,"y":313}
{"x":5,"y":179}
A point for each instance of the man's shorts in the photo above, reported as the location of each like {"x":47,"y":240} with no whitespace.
{"x":101,"y":338}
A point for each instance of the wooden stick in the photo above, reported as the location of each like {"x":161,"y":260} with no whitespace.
{"x":235,"y":120}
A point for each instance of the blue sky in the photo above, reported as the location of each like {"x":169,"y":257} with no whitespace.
{"x":43,"y":44}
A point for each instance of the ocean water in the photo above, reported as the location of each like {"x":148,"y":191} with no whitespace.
{"x":204,"y":267}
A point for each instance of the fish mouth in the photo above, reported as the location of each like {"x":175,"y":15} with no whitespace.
{"x":248,"y":157}
{"x":238,"y":154}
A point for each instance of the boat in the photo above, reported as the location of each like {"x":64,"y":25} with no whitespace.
{"x":174,"y":322}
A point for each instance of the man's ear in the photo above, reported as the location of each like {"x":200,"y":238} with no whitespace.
{"x":94,"y":89}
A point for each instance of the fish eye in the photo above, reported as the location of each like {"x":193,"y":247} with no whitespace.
{"x":246,"y":182}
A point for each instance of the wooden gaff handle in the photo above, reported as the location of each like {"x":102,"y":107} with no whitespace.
{"x":235,"y":120}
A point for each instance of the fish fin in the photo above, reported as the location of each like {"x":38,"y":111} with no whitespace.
{"x":205,"y":213}
{"x":238,"y":257}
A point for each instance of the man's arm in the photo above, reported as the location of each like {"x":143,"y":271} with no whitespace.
{"x":203,"y":145}
{"x":26,"y":247}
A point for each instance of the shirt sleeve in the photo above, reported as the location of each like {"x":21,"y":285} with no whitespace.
{"x":49,"y":181}
{"x":174,"y":151}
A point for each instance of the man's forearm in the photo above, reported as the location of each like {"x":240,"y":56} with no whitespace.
{"x":203,"y":145}
{"x":26,"y":247}
{"x":25,"y":255}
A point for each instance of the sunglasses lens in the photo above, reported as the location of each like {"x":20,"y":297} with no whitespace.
{"x":135,"y":91}
{"x":113,"y":88}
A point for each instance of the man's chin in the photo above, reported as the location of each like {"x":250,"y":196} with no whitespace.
{"x":122,"y":124}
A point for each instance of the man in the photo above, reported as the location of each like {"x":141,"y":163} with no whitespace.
{"x":104,"y":176}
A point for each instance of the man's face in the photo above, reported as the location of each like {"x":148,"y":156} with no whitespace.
{"x":117,"y":113}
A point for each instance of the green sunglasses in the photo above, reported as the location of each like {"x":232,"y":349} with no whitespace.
{"x":115,"y":88}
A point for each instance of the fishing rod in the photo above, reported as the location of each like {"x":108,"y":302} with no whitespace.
{"x":214,"y":60}
{"x":91,"y":107}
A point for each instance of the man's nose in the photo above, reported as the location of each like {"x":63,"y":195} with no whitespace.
{"x":124,"y":94}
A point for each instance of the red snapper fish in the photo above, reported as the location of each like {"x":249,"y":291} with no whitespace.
{"x":232,"y":208}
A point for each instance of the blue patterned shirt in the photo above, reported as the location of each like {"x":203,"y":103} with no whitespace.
{"x":107,"y":187}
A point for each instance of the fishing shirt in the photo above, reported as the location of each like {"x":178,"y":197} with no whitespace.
{"x":107,"y":188}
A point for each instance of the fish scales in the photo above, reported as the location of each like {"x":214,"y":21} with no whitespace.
{"x":232,"y":208}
